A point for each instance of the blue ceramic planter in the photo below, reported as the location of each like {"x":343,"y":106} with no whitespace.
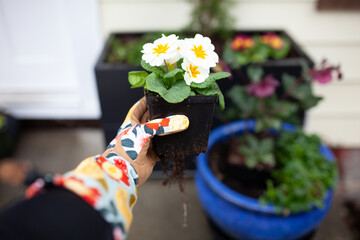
{"x":242,"y":217}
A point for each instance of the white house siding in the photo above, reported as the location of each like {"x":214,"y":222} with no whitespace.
{"x":334,"y":35}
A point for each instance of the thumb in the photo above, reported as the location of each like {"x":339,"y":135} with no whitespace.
{"x":166,"y":126}
{"x":135,"y":138}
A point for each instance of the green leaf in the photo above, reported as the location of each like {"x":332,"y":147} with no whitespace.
{"x":260,"y":54}
{"x":229,"y":55}
{"x":288,"y":81}
{"x":177,"y":93}
{"x":283,"y":52}
{"x":173,"y":73}
{"x":242,"y":59}
{"x":268,"y":158}
{"x":152,"y":69}
{"x":213,"y":90}
{"x":260,"y":125}
{"x":251,"y":161}
{"x":2,"y":121}
{"x":211,"y":79}
{"x":243,"y":102}
{"x":255,"y":73}
{"x":285,"y":108}
{"x":310,"y":102}
{"x":273,"y":123}
{"x":137,"y":78}
{"x":302,"y":92}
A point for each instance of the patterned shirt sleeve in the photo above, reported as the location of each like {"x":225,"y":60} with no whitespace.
{"x":109,"y":184}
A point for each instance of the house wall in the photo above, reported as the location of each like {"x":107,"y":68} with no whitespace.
{"x":47,"y":54}
{"x":334,"y":35}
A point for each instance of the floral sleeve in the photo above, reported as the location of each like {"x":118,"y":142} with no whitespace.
{"x":109,"y":184}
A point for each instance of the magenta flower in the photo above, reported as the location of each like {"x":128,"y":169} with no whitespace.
{"x":264,"y":88}
{"x":323,"y":75}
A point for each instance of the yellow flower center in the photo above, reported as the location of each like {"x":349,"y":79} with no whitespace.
{"x":199,"y":52}
{"x":192,"y":71}
{"x":160,"y":49}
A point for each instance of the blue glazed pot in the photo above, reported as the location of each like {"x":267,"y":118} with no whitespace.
{"x":242,"y":217}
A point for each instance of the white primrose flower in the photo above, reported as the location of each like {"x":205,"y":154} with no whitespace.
{"x":199,"y":51}
{"x":194,"y":73}
{"x":162,"y":49}
{"x":177,"y":56}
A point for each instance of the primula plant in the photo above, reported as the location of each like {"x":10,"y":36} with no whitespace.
{"x":177,"y":69}
{"x":260,"y":100}
{"x":244,"y":49}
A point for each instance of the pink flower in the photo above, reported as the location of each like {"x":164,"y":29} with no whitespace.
{"x":264,"y":88}
{"x":323,"y":75}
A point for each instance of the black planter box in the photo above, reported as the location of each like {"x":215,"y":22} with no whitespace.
{"x":9,"y":133}
{"x":277,"y":67}
{"x":115,"y":93}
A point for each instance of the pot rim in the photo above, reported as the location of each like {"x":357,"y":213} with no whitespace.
{"x":224,"y":132}
{"x":201,"y":99}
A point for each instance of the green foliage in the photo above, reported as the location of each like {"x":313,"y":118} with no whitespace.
{"x":137,"y":78}
{"x":210,"y":17}
{"x":211,"y":80}
{"x":255,"y":73}
{"x":260,"y":52}
{"x":271,"y":111}
{"x":213,"y":90}
{"x":304,"y":177}
{"x":159,"y":71}
{"x":268,"y":112}
{"x":171,"y":85}
{"x":2,"y":120}
{"x":301,"y":91}
{"x":178,"y":92}
{"x":281,"y":53}
{"x":257,"y":151}
{"x":128,"y":51}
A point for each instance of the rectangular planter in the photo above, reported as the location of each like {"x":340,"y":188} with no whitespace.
{"x":115,"y":93}
{"x":290,"y":65}
{"x":9,"y":132}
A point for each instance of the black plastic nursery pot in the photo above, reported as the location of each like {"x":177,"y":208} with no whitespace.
{"x":194,"y":140}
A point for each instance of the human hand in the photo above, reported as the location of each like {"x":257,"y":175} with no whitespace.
{"x":132,"y":140}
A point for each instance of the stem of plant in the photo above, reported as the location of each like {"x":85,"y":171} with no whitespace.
{"x":167,"y":69}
